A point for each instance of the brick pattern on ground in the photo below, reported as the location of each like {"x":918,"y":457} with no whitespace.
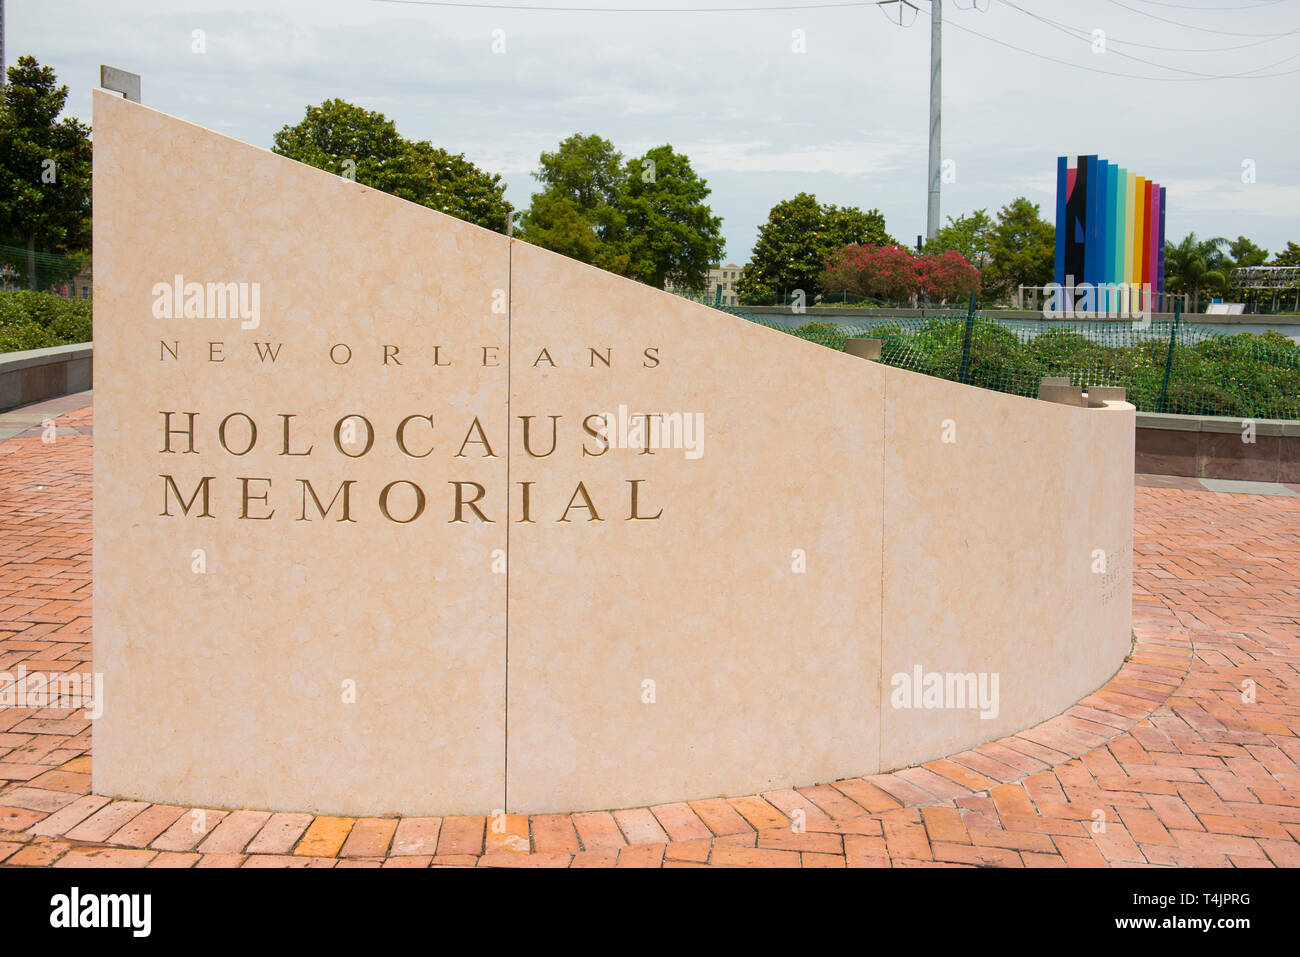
{"x":1189,"y":756}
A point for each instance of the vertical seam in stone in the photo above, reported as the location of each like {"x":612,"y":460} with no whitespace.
{"x":884,"y":517}
{"x":510,"y":357}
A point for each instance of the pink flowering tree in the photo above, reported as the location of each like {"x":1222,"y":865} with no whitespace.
{"x":897,"y":274}
{"x":946,"y":277}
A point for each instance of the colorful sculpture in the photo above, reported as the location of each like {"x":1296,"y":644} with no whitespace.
{"x":1110,"y":233}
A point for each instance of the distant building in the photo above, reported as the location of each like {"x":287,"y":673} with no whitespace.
{"x":718,"y":275}
{"x":78,"y":287}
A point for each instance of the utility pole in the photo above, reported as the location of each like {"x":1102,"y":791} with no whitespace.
{"x":2,"y":44}
{"x":936,"y":98}
{"x":936,"y":103}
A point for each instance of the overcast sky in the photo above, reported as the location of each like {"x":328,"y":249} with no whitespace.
{"x":846,"y":120}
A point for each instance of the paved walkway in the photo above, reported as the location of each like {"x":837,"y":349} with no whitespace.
{"x":1189,"y":756}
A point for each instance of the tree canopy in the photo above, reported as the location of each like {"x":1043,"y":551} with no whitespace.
{"x":798,"y":239}
{"x":1022,"y":249}
{"x":1287,"y":257}
{"x":365,"y":145}
{"x":970,"y":234}
{"x":578,"y":212}
{"x":672,"y":234}
{"x":44,"y":172}
{"x":646,"y":218}
{"x":1246,"y":253}
{"x":1195,"y":264}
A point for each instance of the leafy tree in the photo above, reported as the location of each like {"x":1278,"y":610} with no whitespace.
{"x":556,"y":223}
{"x":786,"y":255}
{"x":971,"y":235}
{"x":586,"y":169}
{"x":646,"y":218}
{"x":673,"y":235}
{"x":895,"y":274}
{"x":946,"y":276}
{"x":1022,"y":249}
{"x":453,"y":185}
{"x":800,"y":235}
{"x":44,"y":171}
{"x":1287,"y":257}
{"x":364,"y":145}
{"x":1242,"y":253}
{"x":886,"y":272}
{"x":1194,"y":264}
{"x":579,"y":211}
{"x":1246,"y":253}
{"x":848,"y":224}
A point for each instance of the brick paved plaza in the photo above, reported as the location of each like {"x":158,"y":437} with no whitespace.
{"x":1188,"y":757}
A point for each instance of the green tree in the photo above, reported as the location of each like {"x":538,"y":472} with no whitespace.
{"x":1021,"y":251}
{"x":44,"y":171}
{"x":360,"y":144}
{"x":586,"y":169}
{"x":579,"y":211}
{"x":843,"y":225}
{"x":673,"y":235}
{"x":1195,"y":264}
{"x":556,"y":223}
{"x":1245,"y":253}
{"x":1287,"y":257}
{"x":797,"y":240}
{"x":971,"y":235}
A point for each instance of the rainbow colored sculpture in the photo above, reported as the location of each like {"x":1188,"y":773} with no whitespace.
{"x":1110,"y":231}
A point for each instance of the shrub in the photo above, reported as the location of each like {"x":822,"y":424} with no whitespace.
{"x":826,"y":333}
{"x":1202,"y":398}
{"x":1244,"y":375}
{"x":38,"y":320}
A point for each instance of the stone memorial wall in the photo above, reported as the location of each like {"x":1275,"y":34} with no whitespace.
{"x":394,"y":514}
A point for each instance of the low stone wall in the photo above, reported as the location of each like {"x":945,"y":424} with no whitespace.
{"x":852,"y":313}
{"x":38,"y":374}
{"x":848,"y":314}
{"x":1199,"y":446}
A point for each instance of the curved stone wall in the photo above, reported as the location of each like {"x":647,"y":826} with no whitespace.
{"x":384,"y":538}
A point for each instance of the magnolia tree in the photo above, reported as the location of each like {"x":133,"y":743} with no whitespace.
{"x":895,"y":274}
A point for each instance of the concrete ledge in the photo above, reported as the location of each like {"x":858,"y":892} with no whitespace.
{"x":37,"y":374}
{"x":1023,"y":315}
{"x":1215,"y":447}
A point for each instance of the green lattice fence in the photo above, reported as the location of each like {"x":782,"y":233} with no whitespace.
{"x":1169,"y":366}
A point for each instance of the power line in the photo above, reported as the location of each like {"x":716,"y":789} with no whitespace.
{"x":1129,"y":76}
{"x":1188,"y":6}
{"x":1188,"y":26}
{"x":535,"y":9}
{"x":1152,"y":46}
{"x":1073,"y":33}
{"x":1253,"y":74}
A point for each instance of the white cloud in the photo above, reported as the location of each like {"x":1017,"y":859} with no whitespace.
{"x":847,"y":120}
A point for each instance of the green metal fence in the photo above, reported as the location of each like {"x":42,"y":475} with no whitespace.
{"x":64,"y":275}
{"x":1170,"y":366}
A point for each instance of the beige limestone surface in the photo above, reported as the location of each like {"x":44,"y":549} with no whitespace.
{"x":764,"y":676}
{"x":591,"y":627}
{"x":229,"y":687}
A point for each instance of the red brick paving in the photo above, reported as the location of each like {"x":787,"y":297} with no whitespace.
{"x":1189,"y":756}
